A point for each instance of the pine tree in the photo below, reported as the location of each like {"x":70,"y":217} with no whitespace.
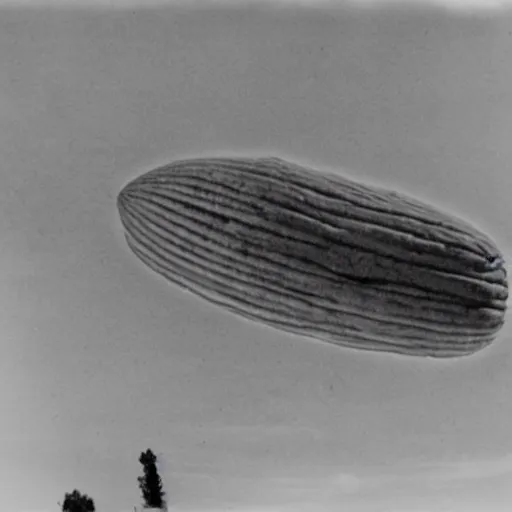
{"x":77,"y":502}
{"x":150,"y":484}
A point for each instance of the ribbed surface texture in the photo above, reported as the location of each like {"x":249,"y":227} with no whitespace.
{"x":319,"y":255}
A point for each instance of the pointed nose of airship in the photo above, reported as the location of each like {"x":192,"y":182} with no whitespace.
{"x":132,"y":197}
{"x":126,"y":197}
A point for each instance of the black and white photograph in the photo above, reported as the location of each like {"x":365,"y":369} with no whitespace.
{"x":254,"y":256}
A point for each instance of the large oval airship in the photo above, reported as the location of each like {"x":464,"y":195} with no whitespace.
{"x":317,"y":254}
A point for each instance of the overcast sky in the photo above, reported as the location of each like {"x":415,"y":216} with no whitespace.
{"x":459,"y":5}
{"x":102,"y":359}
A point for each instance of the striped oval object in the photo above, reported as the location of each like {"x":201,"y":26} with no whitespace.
{"x":318,"y":254}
